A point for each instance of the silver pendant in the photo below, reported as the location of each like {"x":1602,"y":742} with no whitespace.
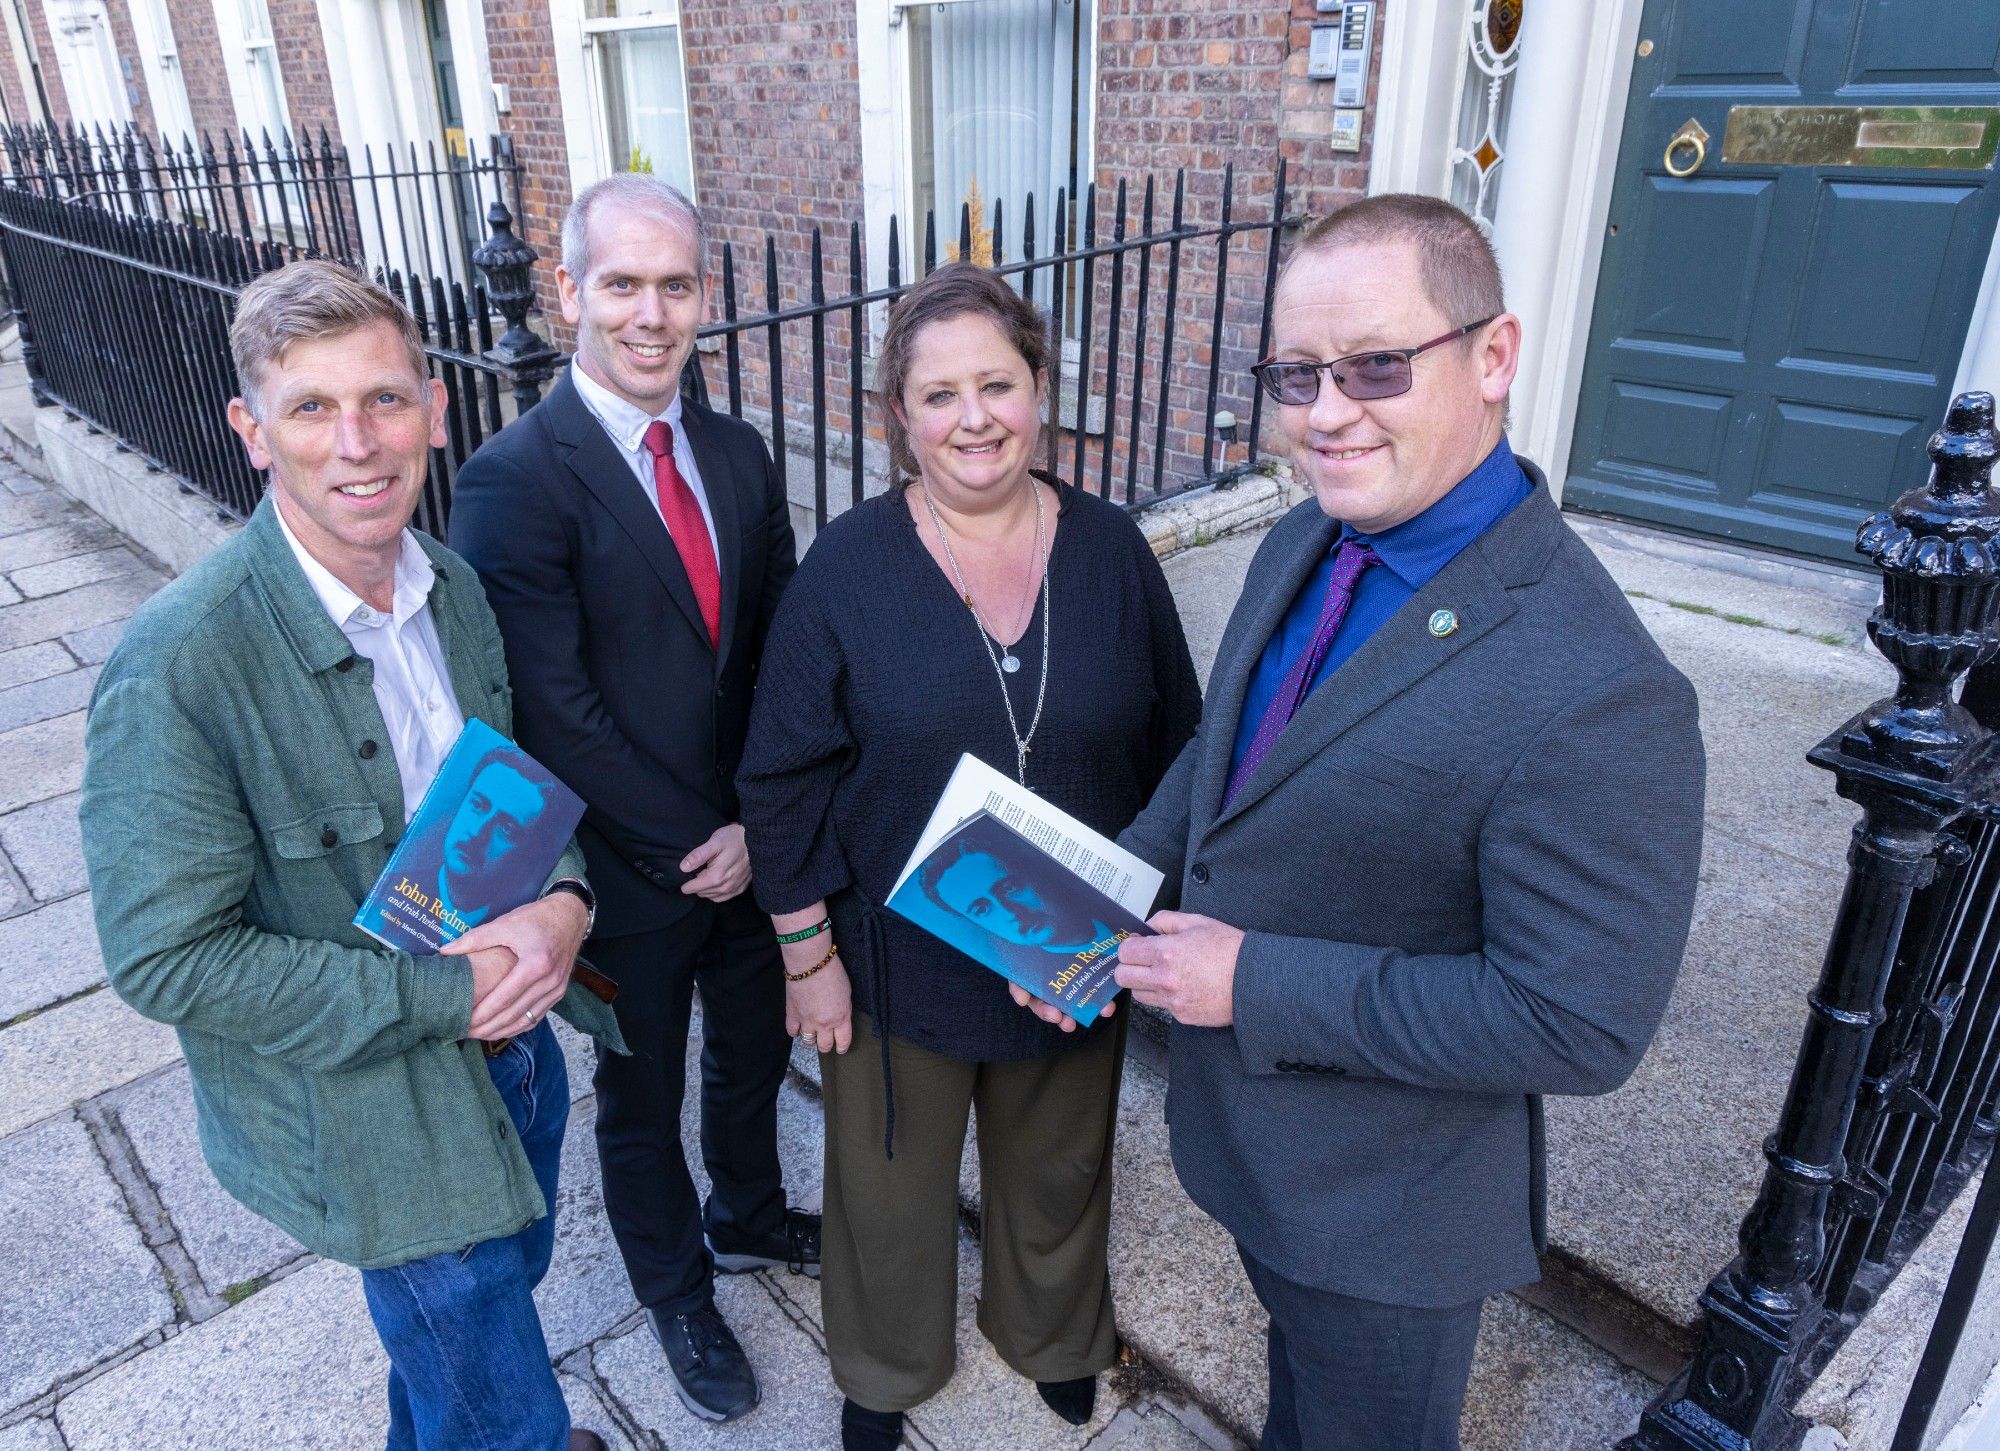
{"x":1009,"y":664}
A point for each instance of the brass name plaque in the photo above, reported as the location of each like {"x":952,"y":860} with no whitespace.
{"x":1957,"y":138}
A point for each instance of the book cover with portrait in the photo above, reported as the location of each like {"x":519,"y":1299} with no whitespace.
{"x":482,"y":842}
{"x":1007,"y":903}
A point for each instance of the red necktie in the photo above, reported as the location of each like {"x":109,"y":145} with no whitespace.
{"x":687,"y":528}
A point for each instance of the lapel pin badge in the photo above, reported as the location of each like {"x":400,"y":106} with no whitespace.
{"x":1443,"y":622}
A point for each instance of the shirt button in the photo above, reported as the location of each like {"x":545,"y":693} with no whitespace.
{"x":1199,"y":871}
{"x":367,"y":751}
{"x":329,"y":837}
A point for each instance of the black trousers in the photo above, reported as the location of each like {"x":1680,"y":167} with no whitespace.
{"x":728,"y":954}
{"x":1355,"y":1375}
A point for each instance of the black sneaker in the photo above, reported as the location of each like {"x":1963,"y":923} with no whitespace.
{"x":712,"y":1375}
{"x":795,"y":1247}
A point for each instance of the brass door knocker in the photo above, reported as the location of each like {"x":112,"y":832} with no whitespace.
{"x":1690,"y":135}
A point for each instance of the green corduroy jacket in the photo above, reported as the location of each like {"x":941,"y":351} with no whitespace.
{"x":234,"y":815}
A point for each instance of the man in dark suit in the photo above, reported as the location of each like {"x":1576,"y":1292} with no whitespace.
{"x":1435,"y":846}
{"x":633,"y":545}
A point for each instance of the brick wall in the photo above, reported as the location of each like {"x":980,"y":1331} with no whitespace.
{"x":38,"y":24}
{"x":302,"y":62}
{"x":1211,"y":89}
{"x":131,"y":65}
{"x":202,"y":70}
{"x":22,"y":108}
{"x":521,"y":49}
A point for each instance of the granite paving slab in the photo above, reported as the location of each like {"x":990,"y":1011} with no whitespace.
{"x":1206,"y":582}
{"x":33,"y":662}
{"x":41,"y":760}
{"x":295,"y":1365}
{"x":587,"y":1412}
{"x":229,"y":1244}
{"x":14,"y":896}
{"x":58,"y":575}
{"x":94,"y":645}
{"x":76,"y":1051}
{"x":51,"y":696}
{"x":1539,"y":1386}
{"x":83,"y":533}
{"x":39,"y":1434}
{"x":586,"y":1292}
{"x":799,"y":1407}
{"x":1767,"y":699}
{"x":73,"y":610}
{"x":9,"y":595}
{"x":77,"y":1283}
{"x":45,"y":844}
{"x":47,"y":955}
{"x":1648,"y":1184}
{"x":19,"y":514}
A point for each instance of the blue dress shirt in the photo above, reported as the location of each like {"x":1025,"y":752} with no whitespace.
{"x":1411,"y":554}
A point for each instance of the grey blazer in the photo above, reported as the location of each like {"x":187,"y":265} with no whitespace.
{"x":1466,"y":871}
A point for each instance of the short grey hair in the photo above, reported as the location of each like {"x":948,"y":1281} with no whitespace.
{"x":639,"y":190}
{"x":307,"y":299}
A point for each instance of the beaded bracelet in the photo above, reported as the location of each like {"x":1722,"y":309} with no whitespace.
{"x":786,"y":939}
{"x":832,"y":951}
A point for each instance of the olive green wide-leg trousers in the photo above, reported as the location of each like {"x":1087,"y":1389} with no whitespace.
{"x":889,"y":1248}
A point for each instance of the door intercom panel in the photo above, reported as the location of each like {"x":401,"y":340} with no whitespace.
{"x":1339,"y":50}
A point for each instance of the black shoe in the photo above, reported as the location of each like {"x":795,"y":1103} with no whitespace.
{"x":864,"y":1430}
{"x":1073,"y":1400}
{"x":711,"y":1373}
{"x":795,"y":1246}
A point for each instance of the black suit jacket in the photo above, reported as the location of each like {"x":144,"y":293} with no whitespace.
{"x":616,"y":686}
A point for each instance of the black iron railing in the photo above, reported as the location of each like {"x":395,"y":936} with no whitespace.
{"x":417,"y":213}
{"x":126,"y":254}
{"x":1892,"y":1102}
{"x":1142,"y":404}
{"x":125,"y":323}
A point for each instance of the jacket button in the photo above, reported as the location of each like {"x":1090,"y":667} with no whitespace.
{"x":343,"y":666}
{"x":1199,"y":871}
{"x":329,"y":837}
{"x":367,"y":751}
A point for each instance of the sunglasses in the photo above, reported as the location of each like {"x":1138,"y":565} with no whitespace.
{"x":1384,"y":373}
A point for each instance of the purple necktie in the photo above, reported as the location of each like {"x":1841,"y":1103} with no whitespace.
{"x":1349,"y":560}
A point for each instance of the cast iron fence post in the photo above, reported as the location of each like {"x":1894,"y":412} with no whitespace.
{"x":1915,"y":763}
{"x":522,"y":354}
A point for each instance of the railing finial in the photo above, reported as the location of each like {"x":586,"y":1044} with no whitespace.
{"x":508,"y":264}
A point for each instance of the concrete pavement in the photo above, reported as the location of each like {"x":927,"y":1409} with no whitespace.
{"x":139,"y":1306}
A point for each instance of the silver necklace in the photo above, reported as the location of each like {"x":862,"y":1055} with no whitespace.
{"x":1007,"y":665}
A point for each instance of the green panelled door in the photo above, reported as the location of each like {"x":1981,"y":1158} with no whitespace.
{"x":1777,"y":329}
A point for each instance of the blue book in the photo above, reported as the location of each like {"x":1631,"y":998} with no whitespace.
{"x":483,"y":841}
{"x":1003,"y":901}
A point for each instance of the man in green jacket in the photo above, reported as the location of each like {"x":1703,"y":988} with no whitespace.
{"x":256,"y":745}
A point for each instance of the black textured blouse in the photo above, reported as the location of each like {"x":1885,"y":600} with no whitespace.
{"x":874,"y":681}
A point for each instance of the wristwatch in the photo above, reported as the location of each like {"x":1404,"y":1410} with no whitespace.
{"x":579,"y":889}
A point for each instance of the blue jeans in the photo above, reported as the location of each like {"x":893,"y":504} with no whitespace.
{"x":468,"y":1367}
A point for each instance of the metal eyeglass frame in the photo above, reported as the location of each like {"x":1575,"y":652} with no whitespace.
{"x":1263,"y":371}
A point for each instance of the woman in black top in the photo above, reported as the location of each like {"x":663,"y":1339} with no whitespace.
{"x":977,"y":607}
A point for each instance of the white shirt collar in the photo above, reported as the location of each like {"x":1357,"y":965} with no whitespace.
{"x":626,"y":424}
{"x":414,"y":578}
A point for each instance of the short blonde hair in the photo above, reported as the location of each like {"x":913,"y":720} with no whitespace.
{"x":309,"y":299}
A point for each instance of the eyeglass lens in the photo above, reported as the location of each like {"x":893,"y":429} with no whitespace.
{"x":1369,"y":376}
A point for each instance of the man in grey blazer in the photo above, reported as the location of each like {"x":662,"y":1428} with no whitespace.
{"x":1435,"y":845}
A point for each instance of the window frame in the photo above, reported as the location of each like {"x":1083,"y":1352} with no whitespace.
{"x":579,"y":61}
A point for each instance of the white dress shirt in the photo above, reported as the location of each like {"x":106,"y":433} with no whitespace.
{"x":627,"y":426}
{"x":412,"y":682}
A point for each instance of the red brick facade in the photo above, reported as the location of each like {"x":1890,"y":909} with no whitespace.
{"x":22,"y":110}
{"x":38,"y":22}
{"x":130,"y":63}
{"x":202,"y":71}
{"x":302,"y":63}
{"x":1194,"y":87}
